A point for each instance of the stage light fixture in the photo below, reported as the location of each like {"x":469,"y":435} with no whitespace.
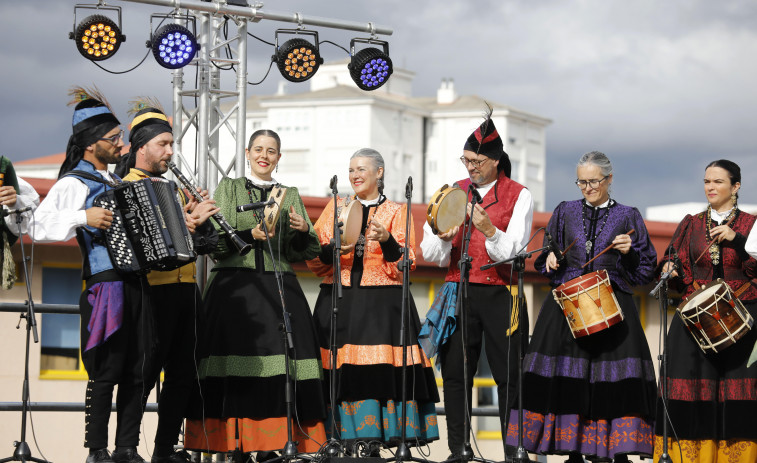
{"x":370,"y":67}
{"x":173,"y":45}
{"x":97,"y":37}
{"x":297,"y":59}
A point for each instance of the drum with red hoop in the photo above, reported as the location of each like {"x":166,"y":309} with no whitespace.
{"x":588,"y":303}
{"x":715,"y":317}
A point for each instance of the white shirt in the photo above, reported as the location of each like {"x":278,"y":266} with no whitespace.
{"x":500,"y":246}
{"x":62,"y":211}
{"x":26,"y":197}
{"x":751,"y":243}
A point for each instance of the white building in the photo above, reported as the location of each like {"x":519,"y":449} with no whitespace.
{"x":420,"y":137}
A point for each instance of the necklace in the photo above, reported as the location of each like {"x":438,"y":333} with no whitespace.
{"x":590,"y":240}
{"x":715,"y":247}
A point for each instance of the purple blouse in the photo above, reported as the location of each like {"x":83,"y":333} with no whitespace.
{"x":573,"y":220}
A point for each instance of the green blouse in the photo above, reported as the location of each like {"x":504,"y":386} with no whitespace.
{"x":289,"y":245}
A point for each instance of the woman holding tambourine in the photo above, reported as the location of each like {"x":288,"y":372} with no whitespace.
{"x":712,"y":395}
{"x":242,"y":358}
{"x":369,"y":352}
{"x":589,"y":381}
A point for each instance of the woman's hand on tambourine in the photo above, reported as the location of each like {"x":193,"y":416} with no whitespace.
{"x":450,"y":234}
{"x":668,"y":266}
{"x":481,"y":220}
{"x":346,"y":248}
{"x":296,"y":221}
{"x":552,"y":263}
{"x":259,"y":234}
{"x":722,"y":233}
{"x":377,"y":231}
{"x":622,"y":243}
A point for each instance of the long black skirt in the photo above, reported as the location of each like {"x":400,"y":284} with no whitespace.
{"x":594,"y":395}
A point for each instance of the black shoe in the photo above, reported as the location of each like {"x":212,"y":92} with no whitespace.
{"x":180,"y":456}
{"x":127,"y":455}
{"x":453,"y":457}
{"x":99,"y":456}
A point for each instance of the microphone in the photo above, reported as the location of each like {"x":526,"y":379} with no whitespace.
{"x":253,"y":206}
{"x":476,"y":195}
{"x":332,"y":183}
{"x":16,"y":211}
{"x":554,"y":247}
{"x":409,"y":187}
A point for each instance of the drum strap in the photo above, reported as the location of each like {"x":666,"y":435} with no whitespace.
{"x":741,"y":290}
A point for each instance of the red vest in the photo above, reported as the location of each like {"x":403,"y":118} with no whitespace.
{"x":499,"y":203}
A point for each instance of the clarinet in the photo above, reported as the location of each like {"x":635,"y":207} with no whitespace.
{"x":242,"y":246}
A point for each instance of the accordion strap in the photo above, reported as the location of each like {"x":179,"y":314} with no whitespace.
{"x":89,"y":176}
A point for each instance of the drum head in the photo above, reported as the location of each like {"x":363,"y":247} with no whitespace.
{"x":451,"y":211}
{"x":351,"y":218}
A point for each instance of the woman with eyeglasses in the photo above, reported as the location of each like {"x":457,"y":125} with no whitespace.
{"x":591,"y":394}
{"x":712,"y":397}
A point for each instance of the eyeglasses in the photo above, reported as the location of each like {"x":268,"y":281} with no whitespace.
{"x":114,"y":139}
{"x":582,"y":184}
{"x":476,"y":163}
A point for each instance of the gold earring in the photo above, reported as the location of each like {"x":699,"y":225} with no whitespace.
{"x":733,"y":199}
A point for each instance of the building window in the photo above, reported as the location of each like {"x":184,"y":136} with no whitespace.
{"x":59,"y":337}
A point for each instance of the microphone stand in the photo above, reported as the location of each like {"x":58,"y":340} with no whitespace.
{"x":466,"y":453}
{"x":334,"y":446}
{"x":403,"y":453}
{"x":289,"y":452}
{"x":661,"y":293}
{"x":23,"y":452}
{"x":519,"y":264}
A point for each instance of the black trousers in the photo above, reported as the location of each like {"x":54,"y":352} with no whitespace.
{"x":176,"y":307}
{"x":488,"y":316}
{"x":125,"y":360}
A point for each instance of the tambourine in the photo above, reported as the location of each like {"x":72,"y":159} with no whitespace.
{"x":446,"y":209}
{"x":272,"y":212}
{"x":351,"y":217}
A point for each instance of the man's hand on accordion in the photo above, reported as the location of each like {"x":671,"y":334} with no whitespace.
{"x":98,"y":217}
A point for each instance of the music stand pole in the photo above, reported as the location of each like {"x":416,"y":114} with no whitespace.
{"x":289,"y":451}
{"x":661,"y":293}
{"x":466,"y":453}
{"x":23,"y":452}
{"x":403,"y":453}
{"x":519,"y":264}
{"x":334,"y":446}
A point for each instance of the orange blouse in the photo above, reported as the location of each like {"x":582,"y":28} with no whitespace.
{"x":376,"y":270}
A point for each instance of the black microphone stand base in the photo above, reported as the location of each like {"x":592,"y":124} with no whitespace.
{"x":23,"y":453}
{"x":521,"y":456}
{"x":664,"y":458}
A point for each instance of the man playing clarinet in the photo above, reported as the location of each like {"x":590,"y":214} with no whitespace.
{"x":174,"y":296}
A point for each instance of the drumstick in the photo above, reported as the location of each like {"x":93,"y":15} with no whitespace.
{"x":707,"y":248}
{"x":565,"y":251}
{"x":605,"y":250}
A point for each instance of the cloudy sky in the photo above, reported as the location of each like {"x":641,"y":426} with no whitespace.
{"x":661,"y":87}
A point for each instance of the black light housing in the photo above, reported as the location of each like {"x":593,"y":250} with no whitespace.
{"x":297,"y":59}
{"x":370,"y":67}
{"x":174,"y":46}
{"x":97,"y":37}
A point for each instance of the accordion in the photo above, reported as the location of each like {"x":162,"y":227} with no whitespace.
{"x":148,"y":230}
